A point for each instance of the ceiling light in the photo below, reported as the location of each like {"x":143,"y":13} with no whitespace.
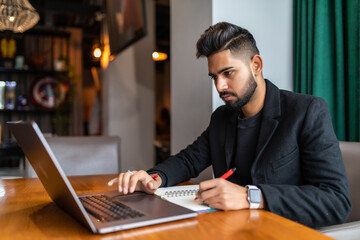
{"x":17,"y":15}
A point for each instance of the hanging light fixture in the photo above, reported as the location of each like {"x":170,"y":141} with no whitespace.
{"x":17,"y":15}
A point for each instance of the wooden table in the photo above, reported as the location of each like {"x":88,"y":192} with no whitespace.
{"x":27,"y":212}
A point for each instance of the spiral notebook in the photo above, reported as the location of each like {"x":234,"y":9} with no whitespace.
{"x":184,"y":196}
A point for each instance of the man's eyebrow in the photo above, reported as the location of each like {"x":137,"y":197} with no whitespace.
{"x":222,"y":70}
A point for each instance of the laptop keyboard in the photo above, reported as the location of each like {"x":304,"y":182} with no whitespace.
{"x":105,"y":209}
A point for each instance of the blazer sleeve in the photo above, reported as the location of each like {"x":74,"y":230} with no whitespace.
{"x":188,"y":163}
{"x":323,"y":198}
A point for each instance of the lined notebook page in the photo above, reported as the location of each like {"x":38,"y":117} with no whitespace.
{"x":183,"y":196}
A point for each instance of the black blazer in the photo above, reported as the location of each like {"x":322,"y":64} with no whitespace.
{"x":298,"y":164}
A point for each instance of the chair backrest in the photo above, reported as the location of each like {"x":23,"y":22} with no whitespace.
{"x":351,"y":156}
{"x":84,"y":155}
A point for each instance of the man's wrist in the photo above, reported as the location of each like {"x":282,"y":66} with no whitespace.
{"x":156,"y":178}
{"x":162,"y":182}
{"x":254,"y":197}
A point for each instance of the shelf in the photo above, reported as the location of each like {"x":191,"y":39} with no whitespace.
{"x":32,"y":71}
{"x":39,"y":31}
{"x":26,"y":111}
{"x":50,"y":45}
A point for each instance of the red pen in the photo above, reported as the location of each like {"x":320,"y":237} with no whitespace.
{"x":225,"y":175}
{"x":155,"y":176}
{"x":228,"y":173}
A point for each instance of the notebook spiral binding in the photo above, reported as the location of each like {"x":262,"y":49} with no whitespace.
{"x":181,"y":193}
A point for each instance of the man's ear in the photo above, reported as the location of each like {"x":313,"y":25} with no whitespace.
{"x":256,"y":64}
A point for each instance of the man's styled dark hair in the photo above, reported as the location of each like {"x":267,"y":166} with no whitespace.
{"x":226,"y":36}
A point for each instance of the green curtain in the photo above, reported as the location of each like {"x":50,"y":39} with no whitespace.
{"x":327,"y":59}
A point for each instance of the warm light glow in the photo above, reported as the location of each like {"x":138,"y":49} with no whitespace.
{"x":155,"y":55}
{"x":11,"y":18}
{"x":97,"y":52}
{"x":104,"y":39}
{"x":159,"y":56}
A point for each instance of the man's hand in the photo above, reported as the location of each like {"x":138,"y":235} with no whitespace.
{"x":222,"y":194}
{"x":130,"y":182}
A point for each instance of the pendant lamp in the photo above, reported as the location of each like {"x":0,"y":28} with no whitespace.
{"x":17,"y":15}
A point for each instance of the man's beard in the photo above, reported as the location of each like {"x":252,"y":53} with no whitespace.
{"x":240,"y":102}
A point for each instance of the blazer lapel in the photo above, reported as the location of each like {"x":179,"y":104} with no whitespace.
{"x":267,"y":129}
{"x":269,"y":123}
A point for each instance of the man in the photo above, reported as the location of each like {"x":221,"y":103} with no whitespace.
{"x":282,"y":143}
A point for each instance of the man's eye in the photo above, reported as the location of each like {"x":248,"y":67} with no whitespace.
{"x":228,"y":73}
{"x":213,"y":78}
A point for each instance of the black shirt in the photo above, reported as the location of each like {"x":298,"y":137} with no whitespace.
{"x":246,"y":141}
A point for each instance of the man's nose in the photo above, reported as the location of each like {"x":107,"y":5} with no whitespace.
{"x":221,"y":84}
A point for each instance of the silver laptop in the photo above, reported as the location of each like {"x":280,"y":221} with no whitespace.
{"x":101,"y":212}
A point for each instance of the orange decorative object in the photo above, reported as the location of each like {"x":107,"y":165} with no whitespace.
{"x":8,"y":47}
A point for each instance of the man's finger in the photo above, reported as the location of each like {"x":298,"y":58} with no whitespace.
{"x":126,"y":181}
{"x":206,"y":185}
{"x":147,"y":181}
{"x":112,"y":181}
{"x":135,"y":179}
